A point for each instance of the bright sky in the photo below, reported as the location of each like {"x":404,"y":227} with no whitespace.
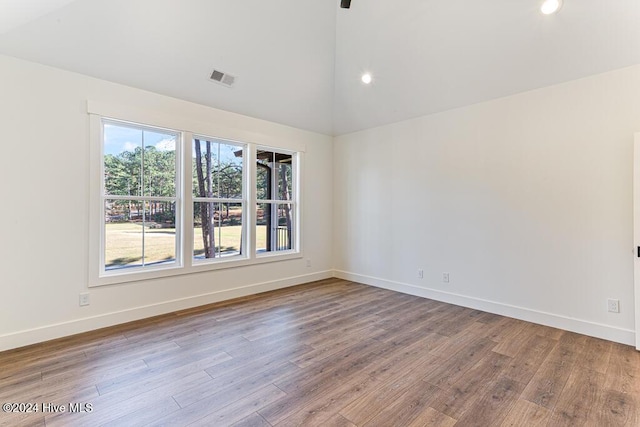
{"x":118,"y":139}
{"x":226,"y":153}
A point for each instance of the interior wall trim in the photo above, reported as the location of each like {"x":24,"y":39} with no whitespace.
{"x":63,"y":329}
{"x":585,"y":327}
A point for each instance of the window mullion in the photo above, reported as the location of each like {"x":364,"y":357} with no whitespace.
{"x":141,"y":199}
{"x":187,"y":198}
{"x":143,"y":193}
{"x":295,"y":202}
{"x":274,"y":206}
{"x":251,"y":192}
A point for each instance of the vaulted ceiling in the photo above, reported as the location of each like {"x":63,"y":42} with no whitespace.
{"x":298,"y":62}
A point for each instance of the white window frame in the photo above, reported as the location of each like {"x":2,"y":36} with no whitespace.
{"x":190,"y":199}
{"x":295,"y":242}
{"x":185,"y":263}
{"x":175,"y":199}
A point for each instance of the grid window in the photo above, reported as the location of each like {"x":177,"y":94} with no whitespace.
{"x":218,"y":196}
{"x":171,"y":202}
{"x":276,"y":201}
{"x":140,"y":199}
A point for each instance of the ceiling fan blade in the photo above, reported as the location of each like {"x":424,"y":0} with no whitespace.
{"x":345,"y":4}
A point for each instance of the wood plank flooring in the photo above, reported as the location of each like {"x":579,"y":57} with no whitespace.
{"x":329,"y":353}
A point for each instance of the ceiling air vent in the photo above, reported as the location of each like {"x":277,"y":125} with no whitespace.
{"x":222,"y":78}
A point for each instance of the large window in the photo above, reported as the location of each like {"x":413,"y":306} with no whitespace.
{"x":275,"y":218}
{"x":174,"y":202}
{"x":218,"y":199}
{"x":140,"y":196}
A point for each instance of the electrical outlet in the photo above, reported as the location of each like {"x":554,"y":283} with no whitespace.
{"x":445,"y":277}
{"x":84,"y":299}
{"x":420,"y":273}
{"x":613,"y":305}
{"x":308,"y":262}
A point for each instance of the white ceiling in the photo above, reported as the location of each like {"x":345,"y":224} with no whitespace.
{"x":429,"y":56}
{"x":19,"y":12}
{"x":298,"y":62}
{"x":281,"y":51}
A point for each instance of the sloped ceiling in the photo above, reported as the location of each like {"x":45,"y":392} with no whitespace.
{"x":18,"y":12}
{"x":281,"y":51}
{"x":299,"y":62}
{"x":428,"y":56}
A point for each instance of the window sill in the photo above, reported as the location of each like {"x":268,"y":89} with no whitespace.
{"x":115,"y":278}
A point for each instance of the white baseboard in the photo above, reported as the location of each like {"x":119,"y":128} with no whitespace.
{"x":623,"y":336}
{"x":59,"y":330}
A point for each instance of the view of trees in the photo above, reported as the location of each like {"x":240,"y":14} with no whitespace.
{"x":274,"y":191}
{"x":124,"y":176}
{"x":139,"y":231}
{"x":217,"y":175}
{"x":149,"y":171}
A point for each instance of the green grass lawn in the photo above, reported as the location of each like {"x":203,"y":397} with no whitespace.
{"x":124,"y":243}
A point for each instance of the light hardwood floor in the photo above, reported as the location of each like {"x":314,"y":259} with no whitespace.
{"x":330,"y":353}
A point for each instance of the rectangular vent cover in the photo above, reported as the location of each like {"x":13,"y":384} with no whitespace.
{"x":222,"y":78}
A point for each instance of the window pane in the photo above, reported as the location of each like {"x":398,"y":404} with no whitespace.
{"x":230,"y":171}
{"x":159,"y":233}
{"x":217,"y":230}
{"x":264,"y":174}
{"x":159,"y":164}
{"x":262,"y":182}
{"x":230,"y":237}
{"x":262,"y":227}
{"x":139,"y":233}
{"x":285,"y":178}
{"x":123,"y":234}
{"x":122,"y":160}
{"x":274,"y":227}
{"x":205,"y":164}
{"x":217,"y":169}
{"x":284,"y":237}
{"x":205,"y":220}
{"x":274,"y":174}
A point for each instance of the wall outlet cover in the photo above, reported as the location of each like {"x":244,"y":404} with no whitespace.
{"x":613,"y":305}
{"x":84,"y":299}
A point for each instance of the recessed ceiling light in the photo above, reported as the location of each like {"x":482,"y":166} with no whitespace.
{"x":550,"y":6}
{"x":366,"y":78}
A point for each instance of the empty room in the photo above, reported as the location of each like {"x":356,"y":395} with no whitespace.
{"x":320,"y":213}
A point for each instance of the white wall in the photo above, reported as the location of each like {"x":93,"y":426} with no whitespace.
{"x":526,"y":201}
{"x":44,"y":129}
